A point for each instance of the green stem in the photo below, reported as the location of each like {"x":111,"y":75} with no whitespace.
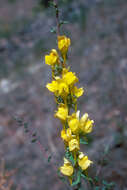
{"x":78,"y":186}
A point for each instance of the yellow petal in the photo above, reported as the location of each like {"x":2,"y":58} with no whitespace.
{"x":66,"y":135}
{"x":52,"y":58}
{"x":70,"y":78}
{"x":84,"y":118}
{"x":89,"y":126}
{"x":66,"y":170}
{"x":64,"y":71}
{"x":78,"y":114}
{"x":63,"y":88}
{"x":47,"y":60}
{"x":66,"y":161}
{"x":53,"y":86}
{"x":84,"y":163}
{"x":74,"y":125}
{"x":77,"y":91}
{"x":81,"y":155}
{"x":63,"y":135}
{"x":69,"y":133}
{"x":62,"y":112}
{"x":63,"y":44}
{"x":86,"y":124}
{"x":73,"y":145}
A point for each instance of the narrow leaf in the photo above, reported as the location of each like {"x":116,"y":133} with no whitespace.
{"x":33,"y":140}
{"x":49,"y":158}
{"x":82,"y":141}
{"x":78,"y":180}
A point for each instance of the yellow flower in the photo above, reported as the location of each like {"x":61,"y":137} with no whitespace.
{"x":83,"y":161}
{"x":62,"y":112}
{"x":52,"y":58}
{"x":67,"y":168}
{"x":70,"y":78}
{"x":53,"y":86}
{"x":73,"y":122}
{"x":77,"y":91}
{"x":89,"y":126}
{"x":66,"y":135}
{"x":77,"y":125}
{"x":74,"y":125}
{"x":73,"y":145}
{"x":65,"y":70}
{"x":84,"y":118}
{"x":59,"y":87}
{"x":63,"y":88}
{"x":63,"y":44}
{"x":86,"y":124}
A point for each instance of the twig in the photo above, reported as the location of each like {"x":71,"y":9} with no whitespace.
{"x":57,"y":17}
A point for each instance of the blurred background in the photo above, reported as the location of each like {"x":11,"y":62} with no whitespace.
{"x":98,"y":55}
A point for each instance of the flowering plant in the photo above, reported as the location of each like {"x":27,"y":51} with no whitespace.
{"x":66,"y":93}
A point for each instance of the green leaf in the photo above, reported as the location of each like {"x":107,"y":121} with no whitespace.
{"x":62,"y":178}
{"x":83,"y":141}
{"x":106,"y":150}
{"x":33,"y":140}
{"x":104,"y":182}
{"x":61,"y":59}
{"x":89,"y":138}
{"x":59,"y":99}
{"x":96,"y":179}
{"x":108,"y":185}
{"x":49,"y":158}
{"x":82,"y":175}
{"x":78,"y":180}
{"x":104,"y":188}
{"x":34,"y":134}
{"x":53,"y":30}
{"x":63,"y":22}
{"x":97,"y":188}
{"x":25,"y":125}
{"x":69,"y":156}
{"x":90,"y":180}
{"x":87,"y":178}
{"x":111,"y":184}
{"x":72,"y":159}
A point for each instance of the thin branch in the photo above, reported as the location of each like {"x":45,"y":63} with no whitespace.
{"x":57,"y":17}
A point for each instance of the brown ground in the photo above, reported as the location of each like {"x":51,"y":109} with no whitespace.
{"x":99,"y":57}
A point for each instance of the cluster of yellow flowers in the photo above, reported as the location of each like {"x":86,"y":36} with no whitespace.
{"x":66,"y":93}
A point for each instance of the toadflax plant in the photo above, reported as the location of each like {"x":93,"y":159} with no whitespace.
{"x":66,"y":94}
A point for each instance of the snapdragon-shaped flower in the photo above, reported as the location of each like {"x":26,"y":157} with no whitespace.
{"x":67,"y":168}
{"x":77,"y":91}
{"x":77,"y":125}
{"x":62,"y":112}
{"x":64,"y":85}
{"x":66,"y":134}
{"x":74,"y":145}
{"x":83,"y":161}
{"x":52,"y":58}
{"x":86,"y":125}
{"x":63,"y":44}
{"x":73,"y":123}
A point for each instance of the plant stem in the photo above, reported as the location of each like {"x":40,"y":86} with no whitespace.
{"x":57,"y":17}
{"x":78,"y":186}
